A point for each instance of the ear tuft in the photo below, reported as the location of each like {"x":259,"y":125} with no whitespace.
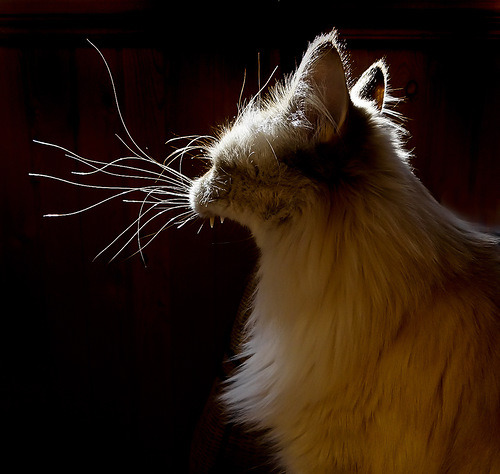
{"x":322,"y":69}
{"x":372,"y":85}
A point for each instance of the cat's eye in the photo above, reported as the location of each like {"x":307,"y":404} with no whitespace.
{"x":255,"y":168}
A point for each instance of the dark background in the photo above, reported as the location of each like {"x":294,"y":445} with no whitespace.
{"x":108,"y":365}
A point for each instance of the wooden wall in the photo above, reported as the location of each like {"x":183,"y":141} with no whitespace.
{"x":109,"y":364}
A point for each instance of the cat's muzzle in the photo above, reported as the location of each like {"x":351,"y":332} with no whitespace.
{"x":206,"y":195}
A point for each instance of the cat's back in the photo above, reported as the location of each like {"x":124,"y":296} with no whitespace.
{"x":439,"y":380}
{"x":429,"y":400}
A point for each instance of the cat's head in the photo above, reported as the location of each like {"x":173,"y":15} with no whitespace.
{"x":292,"y":150}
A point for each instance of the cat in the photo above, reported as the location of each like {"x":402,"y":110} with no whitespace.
{"x":373,"y":344}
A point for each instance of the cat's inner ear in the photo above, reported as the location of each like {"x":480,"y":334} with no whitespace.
{"x":372,"y":85}
{"x":322,"y":69}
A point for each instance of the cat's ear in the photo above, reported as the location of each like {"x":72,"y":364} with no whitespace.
{"x":372,"y":85}
{"x":327,"y":102}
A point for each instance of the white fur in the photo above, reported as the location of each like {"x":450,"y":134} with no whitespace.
{"x":373,"y":344}
{"x":328,"y":370}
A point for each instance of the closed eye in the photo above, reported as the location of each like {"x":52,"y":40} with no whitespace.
{"x":256,"y":168}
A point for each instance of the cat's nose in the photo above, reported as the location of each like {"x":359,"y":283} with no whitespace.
{"x":196,"y":196}
{"x":203,"y":194}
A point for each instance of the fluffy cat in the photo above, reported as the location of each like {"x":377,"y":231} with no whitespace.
{"x":374,"y":340}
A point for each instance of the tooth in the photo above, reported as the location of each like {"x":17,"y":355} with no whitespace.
{"x":221,"y":219}
{"x":212,"y":222}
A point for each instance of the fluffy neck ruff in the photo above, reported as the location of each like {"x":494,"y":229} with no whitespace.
{"x":336,"y":286}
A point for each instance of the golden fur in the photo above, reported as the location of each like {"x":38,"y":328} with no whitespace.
{"x":374,"y":341}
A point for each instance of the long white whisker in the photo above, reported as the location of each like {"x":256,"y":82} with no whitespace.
{"x":92,"y":163}
{"x":180,"y":176}
{"x":193,"y":138}
{"x":257,"y":97}
{"x":178,"y":200}
{"x":163,"y":166}
{"x":147,"y":158}
{"x":146,"y":189}
{"x":118,"y":104}
{"x":242,"y":89}
{"x":181,"y":155}
{"x":101,"y":166}
{"x":170,"y":192}
{"x":125,"y":189}
{"x":166,"y":225}
{"x":188,"y":219}
{"x":154,"y":176}
{"x":83,"y":185}
{"x":124,"y":232}
{"x":180,"y":152}
{"x":53,"y":145}
{"x":97,"y":204}
{"x":124,"y":143}
{"x":138,"y":233}
{"x":142,"y":227}
{"x":134,"y":223}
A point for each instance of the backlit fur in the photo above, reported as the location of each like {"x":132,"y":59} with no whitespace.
{"x":373,"y":344}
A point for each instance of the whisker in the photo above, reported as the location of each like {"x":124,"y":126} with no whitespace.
{"x":139,"y":226}
{"x":154,"y":176}
{"x":117,"y":102}
{"x":53,"y":145}
{"x":122,"y":234}
{"x":180,"y":152}
{"x":142,"y":227}
{"x":179,"y":175}
{"x":126,"y":145}
{"x":92,"y":163}
{"x":257,"y":96}
{"x":193,"y":138}
{"x":168,"y":192}
{"x":158,"y":201}
{"x":161,"y":165}
{"x":125,"y":189}
{"x":83,"y":185}
{"x":242,"y":89}
{"x":186,"y":137}
{"x":193,"y":216}
{"x":165,"y":226}
{"x":97,"y":204}
{"x":101,"y":166}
